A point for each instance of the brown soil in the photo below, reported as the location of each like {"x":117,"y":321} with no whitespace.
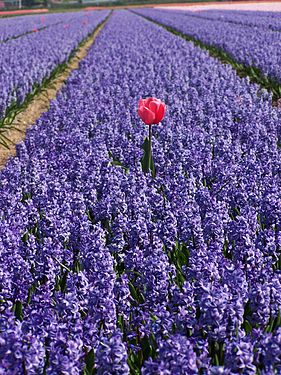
{"x":41,"y":102}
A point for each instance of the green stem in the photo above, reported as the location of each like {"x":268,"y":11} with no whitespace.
{"x":150,"y":146}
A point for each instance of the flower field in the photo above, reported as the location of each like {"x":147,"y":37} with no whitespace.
{"x":265,"y":20}
{"x":12,"y":28}
{"x":29,"y":59}
{"x":253,"y":45}
{"x":106,"y":269}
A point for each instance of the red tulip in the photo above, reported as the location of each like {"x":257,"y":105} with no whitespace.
{"x":151,"y":110}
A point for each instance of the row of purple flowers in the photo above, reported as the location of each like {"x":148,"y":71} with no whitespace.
{"x":28,"y":60}
{"x":15,"y":27}
{"x":263,"y":20}
{"x":252,"y":46}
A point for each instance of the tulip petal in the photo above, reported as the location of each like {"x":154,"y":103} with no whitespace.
{"x":154,"y":106}
{"x":146,"y":115}
{"x":148,"y":100}
{"x":161,"y":113}
{"x":151,"y":110}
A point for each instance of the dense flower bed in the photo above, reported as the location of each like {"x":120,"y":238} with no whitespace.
{"x":254,"y":19}
{"x":251,"y":46}
{"x":104,"y":266}
{"x":17,"y":26}
{"x":30,"y":59}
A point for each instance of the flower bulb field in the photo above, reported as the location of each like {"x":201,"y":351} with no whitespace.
{"x":140,"y":220}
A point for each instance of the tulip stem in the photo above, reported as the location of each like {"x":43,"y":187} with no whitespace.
{"x":147,"y":159}
{"x":150,"y":146}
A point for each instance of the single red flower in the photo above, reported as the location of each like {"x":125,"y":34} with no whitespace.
{"x":151,"y":110}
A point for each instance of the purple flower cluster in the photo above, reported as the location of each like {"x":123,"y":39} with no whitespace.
{"x":17,"y":26}
{"x":108,"y":270}
{"x":28,"y":60}
{"x":254,"y":19}
{"x":252,"y":46}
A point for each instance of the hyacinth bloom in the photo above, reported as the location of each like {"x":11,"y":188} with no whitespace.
{"x":151,"y":110}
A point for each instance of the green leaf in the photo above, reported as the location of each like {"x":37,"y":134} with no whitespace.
{"x":216,"y":360}
{"x":247,"y":327}
{"x":90,"y":362}
{"x":18,"y":310}
{"x":277,"y":322}
{"x":63,"y":281}
{"x":146,"y":156}
{"x":25,"y":237}
{"x":133,"y":291}
{"x":31,"y":291}
{"x":137,"y":295}
{"x":120,"y":322}
{"x":116,"y":162}
{"x":77,"y":266}
{"x":147,"y":159}
{"x":152,"y":166}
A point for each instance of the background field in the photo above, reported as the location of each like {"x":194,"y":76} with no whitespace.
{"x":110,"y":264}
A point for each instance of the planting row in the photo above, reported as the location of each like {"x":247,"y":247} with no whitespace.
{"x":254,"y":19}
{"x":253,"y":47}
{"x":27,"y":61}
{"x":14,"y":27}
{"x":107,"y":270}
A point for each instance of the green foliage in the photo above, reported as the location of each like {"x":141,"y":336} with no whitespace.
{"x":34,"y":231}
{"x":246,"y":325}
{"x":274,"y":323}
{"x":179,"y":257}
{"x":89,"y":363}
{"x":216,"y":350}
{"x":234,"y":212}
{"x":277,"y":264}
{"x":31,"y":291}
{"x":226,"y":251}
{"x":117,"y":163}
{"x":147,"y":349}
{"x":136,"y":294}
{"x":147,"y":162}
{"x":17,"y":308}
